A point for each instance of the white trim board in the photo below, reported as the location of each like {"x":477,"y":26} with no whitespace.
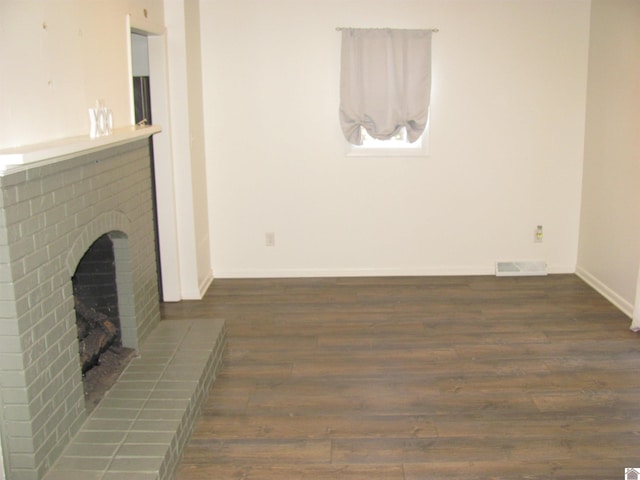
{"x":605,"y":291}
{"x":371,"y":272}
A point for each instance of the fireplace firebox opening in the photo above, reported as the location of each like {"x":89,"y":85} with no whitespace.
{"x":96,"y":301}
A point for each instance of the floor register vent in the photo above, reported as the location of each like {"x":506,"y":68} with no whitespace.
{"x":520,"y":269}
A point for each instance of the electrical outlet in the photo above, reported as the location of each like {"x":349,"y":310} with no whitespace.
{"x":270,"y":239}
{"x":539,"y":234}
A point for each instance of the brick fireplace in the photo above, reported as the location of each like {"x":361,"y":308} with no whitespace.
{"x":50,"y":214}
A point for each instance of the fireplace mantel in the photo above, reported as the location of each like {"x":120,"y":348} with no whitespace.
{"x":27,"y":156}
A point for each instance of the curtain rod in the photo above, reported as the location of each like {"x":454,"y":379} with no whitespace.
{"x":434,"y":30}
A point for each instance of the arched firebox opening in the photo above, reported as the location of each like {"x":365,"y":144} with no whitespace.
{"x":96,"y":291}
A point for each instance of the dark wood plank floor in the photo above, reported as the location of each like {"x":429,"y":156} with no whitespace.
{"x":417,"y":378}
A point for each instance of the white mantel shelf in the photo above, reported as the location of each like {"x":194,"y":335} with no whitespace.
{"x":22,"y":158}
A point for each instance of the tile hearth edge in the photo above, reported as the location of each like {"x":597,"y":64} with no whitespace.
{"x":141,"y":427}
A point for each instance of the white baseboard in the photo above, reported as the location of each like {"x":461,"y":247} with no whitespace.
{"x":358,"y":272}
{"x":193,"y":293}
{"x":206,"y":283}
{"x":623,"y":305}
{"x":489,"y":269}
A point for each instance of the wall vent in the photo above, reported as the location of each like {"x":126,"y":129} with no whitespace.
{"x":520,"y":269}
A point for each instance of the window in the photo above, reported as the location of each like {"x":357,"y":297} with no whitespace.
{"x":385,"y":89}
{"x":396,"y":146}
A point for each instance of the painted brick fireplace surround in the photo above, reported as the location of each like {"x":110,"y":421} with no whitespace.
{"x":51,"y":211}
{"x":50,"y":216}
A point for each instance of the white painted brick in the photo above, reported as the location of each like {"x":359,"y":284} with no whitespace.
{"x":45,"y":325}
{"x":55,"y":215}
{"x":41,"y":204}
{"x":57,"y":247}
{"x":17,"y":213}
{"x":18,"y":429}
{"x":4,"y":236}
{"x":5,"y":254}
{"x":14,"y":395}
{"x":47,"y":272}
{"x":5,"y":273}
{"x":14,"y":179}
{"x":33,"y":347}
{"x":9,"y":327}
{"x":21,"y":444}
{"x":62,"y":196}
{"x":6,"y":292}
{"x":24,"y":284}
{"x":10,"y":344}
{"x":32,"y":225}
{"x":30,"y":190}
{"x":46,"y":235}
{"x":20,"y":248}
{"x":71,"y":177}
{"x":50,"y":303}
{"x":82,"y":188}
{"x":17,"y":412}
{"x":12,"y":379}
{"x":29,"y":317}
{"x":35,"y":297}
{"x":56,"y":212}
{"x":75,"y":205}
{"x":23,"y":460}
{"x":51,"y":184}
{"x":11,"y":361}
{"x":9,"y":195}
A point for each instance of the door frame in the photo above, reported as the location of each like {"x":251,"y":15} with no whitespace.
{"x":162,"y":156}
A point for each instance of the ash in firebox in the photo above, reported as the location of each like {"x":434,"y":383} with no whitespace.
{"x":99,"y":379}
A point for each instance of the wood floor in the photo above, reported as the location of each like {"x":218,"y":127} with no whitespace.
{"x":417,"y":378}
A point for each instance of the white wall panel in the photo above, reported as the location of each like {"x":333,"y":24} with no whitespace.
{"x":506,"y":144}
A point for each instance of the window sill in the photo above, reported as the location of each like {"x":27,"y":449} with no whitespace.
{"x":385,"y":152}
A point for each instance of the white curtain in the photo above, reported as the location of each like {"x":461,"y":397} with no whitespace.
{"x":635,"y":323}
{"x":385,"y":82}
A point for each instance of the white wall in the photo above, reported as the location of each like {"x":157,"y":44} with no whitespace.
{"x":507,"y":138}
{"x":609,"y":253}
{"x":57,"y":57}
{"x":202,"y":240}
{"x":185,"y":78}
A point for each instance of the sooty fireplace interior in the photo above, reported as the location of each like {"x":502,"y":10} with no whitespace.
{"x":96,"y":303}
{"x":95,"y":290}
